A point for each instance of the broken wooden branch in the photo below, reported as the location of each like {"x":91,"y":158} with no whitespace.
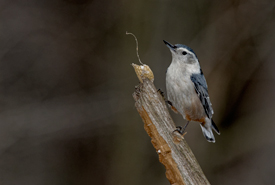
{"x":174,"y":153}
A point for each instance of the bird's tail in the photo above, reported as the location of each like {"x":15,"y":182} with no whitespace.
{"x":207,"y":130}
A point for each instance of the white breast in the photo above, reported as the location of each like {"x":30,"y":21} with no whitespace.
{"x":180,"y":89}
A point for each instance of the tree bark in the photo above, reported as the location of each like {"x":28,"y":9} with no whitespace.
{"x":181,"y":165}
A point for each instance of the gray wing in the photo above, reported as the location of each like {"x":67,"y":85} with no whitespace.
{"x":202,"y":91}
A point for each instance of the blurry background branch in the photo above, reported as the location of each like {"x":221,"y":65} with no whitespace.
{"x":174,"y":153}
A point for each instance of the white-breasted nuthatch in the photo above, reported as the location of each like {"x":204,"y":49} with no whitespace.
{"x":187,"y":90}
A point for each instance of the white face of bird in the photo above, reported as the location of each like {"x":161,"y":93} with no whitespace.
{"x":184,"y":57}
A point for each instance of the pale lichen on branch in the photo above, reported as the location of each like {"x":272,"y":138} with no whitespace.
{"x":143,"y":70}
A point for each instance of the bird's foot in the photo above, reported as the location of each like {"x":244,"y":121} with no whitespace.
{"x":161,"y":93}
{"x":167,"y":101}
{"x":170,"y":103}
{"x":180,"y":130}
{"x":178,"y":135}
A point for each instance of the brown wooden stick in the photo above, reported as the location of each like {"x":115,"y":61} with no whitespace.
{"x":181,"y":165}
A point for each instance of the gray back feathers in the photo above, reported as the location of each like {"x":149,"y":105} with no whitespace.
{"x":202,"y":91}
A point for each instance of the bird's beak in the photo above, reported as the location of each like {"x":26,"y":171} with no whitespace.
{"x":170,"y":46}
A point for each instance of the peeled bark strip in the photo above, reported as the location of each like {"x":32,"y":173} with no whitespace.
{"x":181,"y":165}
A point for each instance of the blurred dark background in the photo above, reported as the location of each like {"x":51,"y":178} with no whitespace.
{"x":67,"y":115}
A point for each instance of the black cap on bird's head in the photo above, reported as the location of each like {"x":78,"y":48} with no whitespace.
{"x":176,"y":46}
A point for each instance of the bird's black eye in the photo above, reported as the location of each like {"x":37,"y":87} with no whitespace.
{"x":184,"y":53}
